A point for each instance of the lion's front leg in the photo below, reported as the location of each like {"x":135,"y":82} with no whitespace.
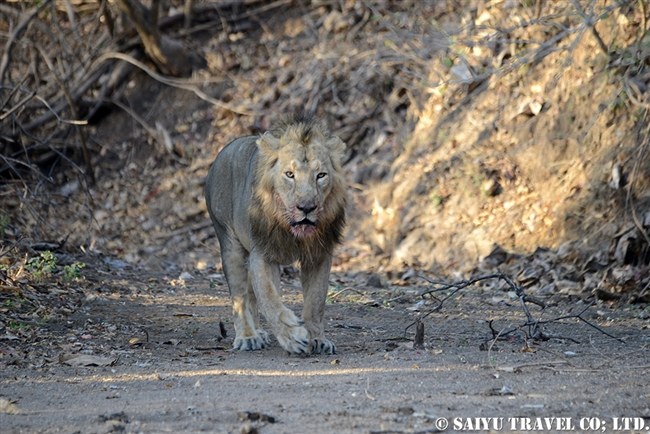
{"x":315,"y":282}
{"x":286,"y":326}
{"x":248,"y":335}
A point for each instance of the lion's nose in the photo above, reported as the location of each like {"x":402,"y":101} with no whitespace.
{"x":306,"y":207}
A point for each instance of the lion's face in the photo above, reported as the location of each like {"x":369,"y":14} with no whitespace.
{"x":302,"y":180}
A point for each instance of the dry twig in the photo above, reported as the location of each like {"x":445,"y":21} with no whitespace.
{"x":535,"y":331}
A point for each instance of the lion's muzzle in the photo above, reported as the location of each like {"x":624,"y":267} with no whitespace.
{"x":303,"y":228}
{"x":303,"y":222}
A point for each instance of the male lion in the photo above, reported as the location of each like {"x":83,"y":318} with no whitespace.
{"x":276,"y":199}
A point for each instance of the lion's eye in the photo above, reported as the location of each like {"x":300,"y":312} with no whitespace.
{"x":289,"y":174}
{"x":321,"y":175}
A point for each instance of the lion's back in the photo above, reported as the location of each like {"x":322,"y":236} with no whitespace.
{"x":228,"y":186}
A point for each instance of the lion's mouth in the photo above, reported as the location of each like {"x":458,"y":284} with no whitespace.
{"x":303,"y":222}
{"x":303,"y":228}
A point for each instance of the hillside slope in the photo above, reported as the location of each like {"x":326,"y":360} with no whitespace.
{"x":490,"y":124}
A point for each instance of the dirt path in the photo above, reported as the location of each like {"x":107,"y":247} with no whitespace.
{"x":170,"y":375}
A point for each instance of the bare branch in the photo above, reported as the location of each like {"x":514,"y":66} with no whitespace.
{"x":89,"y":82}
{"x":6,"y":57}
{"x":175,"y":82}
{"x":18,"y":105}
{"x":189,"y":4}
{"x":75,"y":114}
{"x":73,"y":22}
{"x":589,"y":22}
{"x":535,"y":331}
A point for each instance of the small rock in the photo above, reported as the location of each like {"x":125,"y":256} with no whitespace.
{"x":185,"y":276}
{"x":336,"y":22}
{"x":409,"y":274}
{"x":248,"y":428}
{"x":116,"y":263}
{"x":374,"y":281}
{"x":463,"y":73}
{"x":119,"y":416}
{"x":490,"y":187}
{"x":617,"y":177}
{"x":255,"y":416}
{"x":7,"y":407}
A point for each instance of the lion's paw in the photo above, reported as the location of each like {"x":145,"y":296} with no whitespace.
{"x":322,"y":346}
{"x":291,"y":335}
{"x":265,"y":336}
{"x":249,"y":343}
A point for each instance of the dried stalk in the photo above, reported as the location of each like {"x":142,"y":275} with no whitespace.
{"x":75,"y":114}
{"x":17,"y":33}
{"x":589,"y":22}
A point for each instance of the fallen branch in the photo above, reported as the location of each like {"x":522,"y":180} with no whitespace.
{"x":533,"y":325}
{"x":516,"y":368}
{"x":336,"y":294}
{"x":179,"y":83}
{"x":168,"y":54}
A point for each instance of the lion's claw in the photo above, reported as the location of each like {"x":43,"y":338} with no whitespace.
{"x":322,"y":346}
{"x":250,"y":343}
{"x":295,"y":341}
{"x":291,"y":334}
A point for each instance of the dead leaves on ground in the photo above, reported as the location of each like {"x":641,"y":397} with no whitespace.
{"x":545,"y":273}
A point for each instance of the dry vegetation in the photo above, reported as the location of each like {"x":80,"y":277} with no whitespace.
{"x":500,"y":177}
{"x":469,"y":124}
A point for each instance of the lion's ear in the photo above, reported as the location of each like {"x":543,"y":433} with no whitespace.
{"x":336,"y":145}
{"x":268,"y":143}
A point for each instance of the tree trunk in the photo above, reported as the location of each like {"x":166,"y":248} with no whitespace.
{"x":169,"y":55}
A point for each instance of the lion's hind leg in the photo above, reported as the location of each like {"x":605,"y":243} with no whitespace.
{"x":253,"y":314}
{"x":248,"y":335}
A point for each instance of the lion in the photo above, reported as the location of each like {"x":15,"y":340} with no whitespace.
{"x":278,"y":199}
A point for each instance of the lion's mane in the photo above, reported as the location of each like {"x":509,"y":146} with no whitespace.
{"x":269,"y":228}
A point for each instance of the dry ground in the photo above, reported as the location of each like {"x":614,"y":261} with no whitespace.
{"x":169,"y":373}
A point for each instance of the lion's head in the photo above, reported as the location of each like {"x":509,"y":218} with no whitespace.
{"x":300,"y":189}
